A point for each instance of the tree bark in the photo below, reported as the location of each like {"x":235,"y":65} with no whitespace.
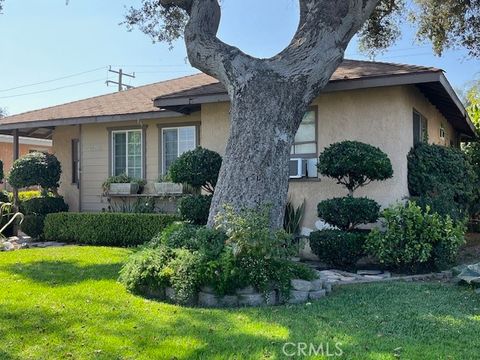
{"x":268,"y":96}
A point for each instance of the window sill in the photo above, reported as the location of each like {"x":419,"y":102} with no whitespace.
{"x":305,"y":179}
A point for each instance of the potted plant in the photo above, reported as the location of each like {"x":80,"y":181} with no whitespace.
{"x":122,"y":185}
{"x":165,"y":186}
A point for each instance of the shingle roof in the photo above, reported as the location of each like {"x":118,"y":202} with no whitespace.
{"x":140,"y":99}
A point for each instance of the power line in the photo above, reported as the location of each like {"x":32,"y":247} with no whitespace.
{"x":49,"y":90}
{"x":53,"y":80}
{"x":120,"y":83}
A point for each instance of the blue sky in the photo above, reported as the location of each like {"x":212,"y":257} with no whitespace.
{"x":45,"y":40}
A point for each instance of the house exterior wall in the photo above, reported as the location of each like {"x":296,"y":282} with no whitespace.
{"x":379,"y":116}
{"x":62,"y":149}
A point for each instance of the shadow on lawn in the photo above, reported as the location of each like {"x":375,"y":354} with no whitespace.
{"x":64,"y":272}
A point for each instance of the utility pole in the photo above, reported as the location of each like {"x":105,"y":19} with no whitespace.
{"x":120,"y":83}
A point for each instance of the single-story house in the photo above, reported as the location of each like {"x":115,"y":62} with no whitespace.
{"x":142,"y":130}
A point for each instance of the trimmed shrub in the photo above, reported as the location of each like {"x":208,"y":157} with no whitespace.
{"x":348,"y":212}
{"x":105,"y":229}
{"x":43,"y":206}
{"x":4,"y":198}
{"x":197,"y":168}
{"x":338,"y":248}
{"x":354,"y":164}
{"x":416,"y":240}
{"x":195,"y":208}
{"x":436,"y":171}
{"x":36,"y":168}
{"x":2,"y":174}
{"x":32,"y":225}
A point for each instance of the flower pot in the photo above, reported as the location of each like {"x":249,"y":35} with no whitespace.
{"x":123,"y":189}
{"x":168,"y":188}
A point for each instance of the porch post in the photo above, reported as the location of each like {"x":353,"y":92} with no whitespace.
{"x":16,"y":153}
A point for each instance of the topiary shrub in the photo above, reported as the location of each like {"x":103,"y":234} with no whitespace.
{"x":348,"y":212}
{"x":338,"y":248}
{"x":197,"y":168}
{"x":36,"y":168}
{"x":32,"y":225}
{"x":439,"y":174}
{"x":43,"y":206}
{"x":354,"y":164}
{"x":415,"y":240}
{"x":195,"y":208}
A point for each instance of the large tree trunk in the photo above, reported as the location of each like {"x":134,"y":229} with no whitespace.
{"x":264,"y":119}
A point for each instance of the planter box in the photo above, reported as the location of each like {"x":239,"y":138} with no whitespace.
{"x":123,"y":189}
{"x":168,"y":188}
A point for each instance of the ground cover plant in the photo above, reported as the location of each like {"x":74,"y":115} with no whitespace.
{"x":66,"y":303}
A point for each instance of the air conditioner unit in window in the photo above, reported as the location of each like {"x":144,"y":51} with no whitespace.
{"x":312,"y":171}
{"x":298,"y":168}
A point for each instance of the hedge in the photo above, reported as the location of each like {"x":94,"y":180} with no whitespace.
{"x":105,"y":229}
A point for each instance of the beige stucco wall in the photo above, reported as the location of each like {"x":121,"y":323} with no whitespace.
{"x":381,"y":117}
{"x":62,"y":149}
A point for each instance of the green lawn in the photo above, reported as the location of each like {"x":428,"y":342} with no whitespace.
{"x":65,"y":303}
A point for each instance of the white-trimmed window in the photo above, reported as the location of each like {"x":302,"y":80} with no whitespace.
{"x":127,"y":153}
{"x":305,"y":144}
{"x":176,"y":141}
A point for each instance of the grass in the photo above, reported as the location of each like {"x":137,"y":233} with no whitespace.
{"x":65,"y":303}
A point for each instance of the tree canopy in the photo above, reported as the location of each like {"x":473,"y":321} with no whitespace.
{"x":446,"y":24}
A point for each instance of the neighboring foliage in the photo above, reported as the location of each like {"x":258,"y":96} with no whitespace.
{"x":440,"y":175}
{"x":293,"y":218}
{"x":36,"y":168}
{"x":139,"y":206}
{"x":348,"y":212}
{"x":105,"y":229}
{"x":415,"y":239}
{"x":354,"y":164}
{"x":28,"y":194}
{"x":4,"y":197}
{"x":2,"y":175}
{"x":338,"y":248}
{"x":187,"y":257}
{"x":195,"y":208}
{"x":198,"y":168}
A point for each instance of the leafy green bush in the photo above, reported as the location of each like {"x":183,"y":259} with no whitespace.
{"x":28,"y":194}
{"x":338,"y":248}
{"x":4,"y":198}
{"x":2,"y":175}
{"x":348,"y":212}
{"x":106,"y":229}
{"x":32,"y":225}
{"x":36,"y":168}
{"x":195,"y":208}
{"x":415,"y":239}
{"x":43,"y":206}
{"x":354,"y":164}
{"x":197,"y":168}
{"x":436,"y":171}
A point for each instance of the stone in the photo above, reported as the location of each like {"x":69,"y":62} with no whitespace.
{"x":314,"y":295}
{"x":271,"y":298}
{"x":301,"y":285}
{"x":369,"y":272}
{"x":328,"y":287}
{"x":207,"y":299}
{"x":317,"y":285}
{"x":228,"y":301}
{"x":246,"y":291}
{"x":255,"y":299}
{"x":7,"y":246}
{"x":448,"y":274}
{"x":207,"y":289}
{"x":298,"y":297}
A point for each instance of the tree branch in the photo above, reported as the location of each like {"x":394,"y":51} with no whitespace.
{"x":325,"y":29}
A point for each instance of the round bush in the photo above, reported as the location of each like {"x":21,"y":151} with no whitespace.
{"x":43,"y":206}
{"x":354,"y":164}
{"x":438,"y":171}
{"x":348,"y":212}
{"x":32,"y":225}
{"x":195,"y":208}
{"x":338,"y":248}
{"x":197,"y":168}
{"x":36,"y":168}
